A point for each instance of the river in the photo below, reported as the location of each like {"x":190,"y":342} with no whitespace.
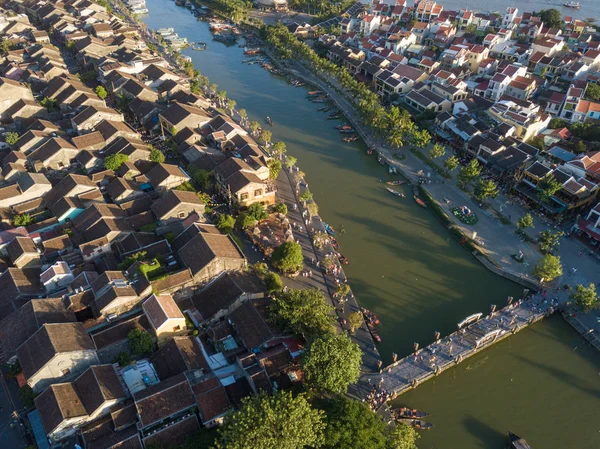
{"x":403,"y":264}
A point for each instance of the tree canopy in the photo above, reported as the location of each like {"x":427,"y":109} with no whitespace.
{"x":274,"y":168}
{"x":101,"y":92}
{"x":281,"y":421}
{"x":548,"y":186}
{"x":549,"y":240}
{"x":469,"y":172}
{"x":114,"y":161}
{"x":288,"y":257}
{"x":140,"y":342}
{"x":156,"y":155}
{"x":303,"y":311}
{"x":11,"y":138}
{"x":586,"y":297}
{"x":548,"y":268}
{"x":437,"y":150}
{"x":225,"y":223}
{"x":331,"y":363}
{"x":592,"y":91}
{"x":273,"y":283}
{"x":552,"y":18}
{"x":526,"y":221}
{"x":451,"y":163}
{"x":485,"y":189}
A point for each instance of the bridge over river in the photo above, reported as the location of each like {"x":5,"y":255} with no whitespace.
{"x":474,"y":334}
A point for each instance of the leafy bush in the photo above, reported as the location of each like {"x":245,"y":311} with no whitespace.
{"x":140,"y":342}
{"x":114,"y":161}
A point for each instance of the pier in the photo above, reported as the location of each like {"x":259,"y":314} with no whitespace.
{"x":473,"y":335}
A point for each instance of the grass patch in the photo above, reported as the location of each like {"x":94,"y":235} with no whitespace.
{"x":152,"y":270}
{"x":442,"y":171}
{"x":470,"y":219}
{"x":150,"y":227}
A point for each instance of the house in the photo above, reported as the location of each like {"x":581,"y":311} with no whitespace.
{"x":427,"y":11}
{"x":57,"y":276}
{"x":56,"y":352}
{"x":208,"y":254}
{"x":25,"y":321}
{"x":64,"y":407}
{"x":17,"y":287}
{"x":548,"y":46}
{"x":166,"y":176}
{"x":90,"y":116}
{"x":71,"y":195}
{"x":177,"y":205}
{"x":245,"y":181}
{"x":56,"y":153}
{"x":212,"y":401}
{"x":23,"y":253}
{"x":164,"y":316}
{"x":179,"y":115}
{"x":98,"y":238}
{"x":114,"y":293}
{"x":590,"y":225}
{"x":521,"y":87}
{"x":251,"y":324}
{"x":11,"y":92}
{"x":223,"y":295}
{"x":122,"y":190}
{"x":179,"y":355}
{"x":527,"y":118}
{"x":162,"y":403}
{"x":427,"y":100}
{"x":28,"y":186}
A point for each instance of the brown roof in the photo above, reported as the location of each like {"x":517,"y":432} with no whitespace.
{"x":20,"y":246}
{"x":219,"y":294}
{"x":49,"y":340}
{"x":160,"y":308}
{"x":57,"y":403}
{"x":212,"y":399}
{"x":57,"y":244}
{"x":163,"y":400}
{"x":161,"y":172}
{"x":97,"y":385}
{"x":173,"y":280}
{"x":119,"y":331}
{"x":88,"y":140}
{"x":205,"y":247}
{"x":178,"y":355}
{"x":25,"y":321}
{"x":123,"y":414}
{"x":174,"y":435}
{"x":17,"y":285}
{"x":172,"y":199}
{"x":101,"y":434}
{"x":250,"y":325}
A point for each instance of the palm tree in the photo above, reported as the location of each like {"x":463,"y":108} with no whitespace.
{"x":254,"y":127}
{"x":243,"y":116}
{"x":231,"y":104}
{"x":290,"y":162}
{"x":396,"y":138}
{"x":221,"y":96}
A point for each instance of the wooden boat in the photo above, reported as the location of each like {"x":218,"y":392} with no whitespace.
{"x":199,"y":46}
{"x":415,"y":191}
{"x":334,"y":116}
{"x":322,"y":109}
{"x":395,"y":192}
{"x":416,"y":423}
{"x":328,"y":229}
{"x":252,"y":51}
{"x":516,"y":442}
{"x":420,"y":202}
{"x":342,"y":259}
{"x":409,"y":413}
{"x":380,"y":160}
{"x":574,"y":5}
{"x":374,"y":332}
{"x":396,"y":183}
{"x":347,"y":131}
{"x":314,"y":92}
{"x":350,"y":139}
{"x":369,"y":151}
{"x":269,"y":121}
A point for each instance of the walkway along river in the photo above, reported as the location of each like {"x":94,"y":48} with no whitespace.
{"x":405,"y":267}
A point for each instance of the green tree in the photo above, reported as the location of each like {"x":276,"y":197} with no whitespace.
{"x":278,"y":149}
{"x":538,"y":142}
{"x":156,"y":155}
{"x":485,"y":189}
{"x":11,"y":138}
{"x":548,"y":186}
{"x":579,"y":147}
{"x":549,"y":240}
{"x":451,"y":163}
{"x":395,"y":138}
{"x":469,"y":172}
{"x":331,"y":363}
{"x":173,"y":131}
{"x":352,"y":425}
{"x":273,"y":283}
{"x":22,"y":220}
{"x":312,"y":208}
{"x":403,"y":436}
{"x":258,"y":211}
{"x":548,"y":268}
{"x":420,"y":138}
{"x":265,"y":135}
{"x":281,"y":421}
{"x":114,"y":161}
{"x":437,"y":150}
{"x":274,"y":168}
{"x":50,"y":104}
{"x":140,"y":342}
{"x":306,"y":196}
{"x":225,"y":223}
{"x":592,"y":91}
{"x":552,"y":18}
{"x":280,"y":208}
{"x":290,"y":161}
{"x":245,"y":220}
{"x":342,"y":290}
{"x":201,"y":439}
{"x":526,"y":221}
{"x":556,"y":123}
{"x":303,"y":312}
{"x":254,"y":127}
{"x":471,"y":28}
{"x":101,"y":92}
{"x":586,"y":297}
{"x":288,"y":257}
{"x":355,"y":320}
{"x":27,"y":396}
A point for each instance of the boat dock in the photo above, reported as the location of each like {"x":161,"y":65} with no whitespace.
{"x":474,"y":334}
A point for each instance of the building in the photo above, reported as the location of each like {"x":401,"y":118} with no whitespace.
{"x":177,"y":205}
{"x":164,"y":316}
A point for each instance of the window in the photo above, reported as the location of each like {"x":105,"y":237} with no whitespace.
{"x":258,"y":192}
{"x":181,"y":214}
{"x":243,"y":197}
{"x":66,"y":372}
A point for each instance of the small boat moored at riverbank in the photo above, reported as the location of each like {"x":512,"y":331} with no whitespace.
{"x":574,"y":5}
{"x":252,"y":51}
{"x":420,"y":202}
{"x":409,"y":413}
{"x":269,"y":121}
{"x":328,"y":229}
{"x":350,"y":139}
{"x":395,"y":192}
{"x":396,"y":183}
{"x":416,"y":423}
